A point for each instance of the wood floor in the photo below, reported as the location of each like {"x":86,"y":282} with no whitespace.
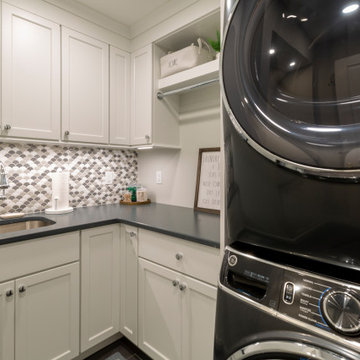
{"x":123,"y":346}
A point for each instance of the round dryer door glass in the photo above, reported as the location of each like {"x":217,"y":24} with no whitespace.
{"x":291,"y":78}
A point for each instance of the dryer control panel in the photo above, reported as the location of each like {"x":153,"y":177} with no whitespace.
{"x":322,"y":302}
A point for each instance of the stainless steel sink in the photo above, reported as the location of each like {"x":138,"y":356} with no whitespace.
{"x":7,"y":226}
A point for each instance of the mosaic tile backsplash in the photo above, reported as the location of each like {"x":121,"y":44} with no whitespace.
{"x":28,"y":169}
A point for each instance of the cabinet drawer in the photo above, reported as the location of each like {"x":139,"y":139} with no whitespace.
{"x":196,"y":260}
{"x":26,"y":257}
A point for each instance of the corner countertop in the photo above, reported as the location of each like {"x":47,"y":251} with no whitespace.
{"x":171,"y":220}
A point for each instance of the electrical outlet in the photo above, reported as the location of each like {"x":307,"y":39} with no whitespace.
{"x":158,"y":177}
{"x":109,"y":177}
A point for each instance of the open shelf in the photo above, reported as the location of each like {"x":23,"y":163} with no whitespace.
{"x":193,"y":76}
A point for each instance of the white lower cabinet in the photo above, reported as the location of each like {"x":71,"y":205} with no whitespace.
{"x":176,"y":314}
{"x":45,"y":307}
{"x":100,"y":284}
{"x":7,"y":313}
{"x":129,"y":283}
{"x":47,"y":314}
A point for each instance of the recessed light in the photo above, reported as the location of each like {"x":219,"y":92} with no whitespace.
{"x":272,"y":51}
{"x":292,"y":64}
{"x":350,"y":8}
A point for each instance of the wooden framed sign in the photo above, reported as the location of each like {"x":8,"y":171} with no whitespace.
{"x":207,"y":193}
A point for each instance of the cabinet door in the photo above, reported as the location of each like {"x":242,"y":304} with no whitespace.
{"x":199,"y":307}
{"x":119,"y":97}
{"x":7,"y":320}
{"x":129,"y":283}
{"x":160,"y":312}
{"x":47,"y":314}
{"x":85,"y":88}
{"x":141,"y":96}
{"x":100,"y":284}
{"x":31,"y":75}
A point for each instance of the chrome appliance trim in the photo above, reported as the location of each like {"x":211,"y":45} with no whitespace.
{"x":286,"y":348}
{"x":349,"y":175}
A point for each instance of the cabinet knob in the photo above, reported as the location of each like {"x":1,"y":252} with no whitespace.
{"x":7,"y":127}
{"x":9,"y":293}
{"x":132,"y":233}
{"x":175,"y":283}
{"x":147,"y":138}
{"x":182,"y":287}
{"x":179,"y":256}
{"x":67,"y":133}
{"x":22,"y":289}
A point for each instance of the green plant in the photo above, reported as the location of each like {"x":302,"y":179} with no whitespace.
{"x":215,"y":44}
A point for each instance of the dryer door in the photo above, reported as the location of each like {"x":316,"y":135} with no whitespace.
{"x":291,"y":80}
{"x":284,"y":350}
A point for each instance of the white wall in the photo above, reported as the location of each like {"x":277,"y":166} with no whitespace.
{"x":179,"y":166}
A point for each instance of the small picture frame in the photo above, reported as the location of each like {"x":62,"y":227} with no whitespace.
{"x":207,"y":192}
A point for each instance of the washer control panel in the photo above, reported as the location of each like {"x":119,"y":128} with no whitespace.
{"x":321,"y":302}
{"x":326,"y":303}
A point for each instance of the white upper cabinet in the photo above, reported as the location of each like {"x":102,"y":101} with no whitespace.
{"x":30,"y":75}
{"x":119,"y":97}
{"x":141,"y":96}
{"x":85,"y":88}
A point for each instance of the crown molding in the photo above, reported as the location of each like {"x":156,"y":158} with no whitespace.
{"x":93,"y":16}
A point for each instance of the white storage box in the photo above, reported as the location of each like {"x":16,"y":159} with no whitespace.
{"x":186,"y":58}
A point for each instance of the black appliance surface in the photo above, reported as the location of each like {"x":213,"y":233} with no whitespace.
{"x":292,"y":135}
{"x":268,"y":310}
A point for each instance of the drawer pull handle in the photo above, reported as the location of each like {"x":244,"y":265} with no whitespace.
{"x":182,"y":287}
{"x":22,"y":289}
{"x":179,"y":256}
{"x":9,"y":293}
{"x":132,"y":233}
{"x":175,"y":283}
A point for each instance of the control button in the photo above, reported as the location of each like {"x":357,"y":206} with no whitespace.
{"x":232,"y":260}
{"x":341,"y":310}
{"x":289,"y":293}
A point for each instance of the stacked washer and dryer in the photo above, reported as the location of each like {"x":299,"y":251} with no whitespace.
{"x":289,"y":286}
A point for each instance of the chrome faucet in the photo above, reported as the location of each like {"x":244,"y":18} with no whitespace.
{"x":3,"y":181}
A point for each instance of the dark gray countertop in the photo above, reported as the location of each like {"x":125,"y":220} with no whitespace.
{"x":176,"y":221}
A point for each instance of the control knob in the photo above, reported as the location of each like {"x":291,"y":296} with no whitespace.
{"x":341,"y":311}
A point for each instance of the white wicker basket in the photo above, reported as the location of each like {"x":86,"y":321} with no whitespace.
{"x":186,"y":58}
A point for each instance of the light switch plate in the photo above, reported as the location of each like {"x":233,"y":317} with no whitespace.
{"x":158,"y":177}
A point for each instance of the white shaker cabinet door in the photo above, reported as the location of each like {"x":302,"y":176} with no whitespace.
{"x":31,"y":75}
{"x":85,"y":88}
{"x":129,"y":282}
{"x":7,"y":321}
{"x":141,"y":96}
{"x":199,"y":307}
{"x":47,"y":315}
{"x":119,"y":97}
{"x":100,"y":284}
{"x":160,"y":312}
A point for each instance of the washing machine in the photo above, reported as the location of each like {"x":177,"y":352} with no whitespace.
{"x":290,"y":79}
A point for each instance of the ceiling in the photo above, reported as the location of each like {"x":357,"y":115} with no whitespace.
{"x":127,"y":12}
